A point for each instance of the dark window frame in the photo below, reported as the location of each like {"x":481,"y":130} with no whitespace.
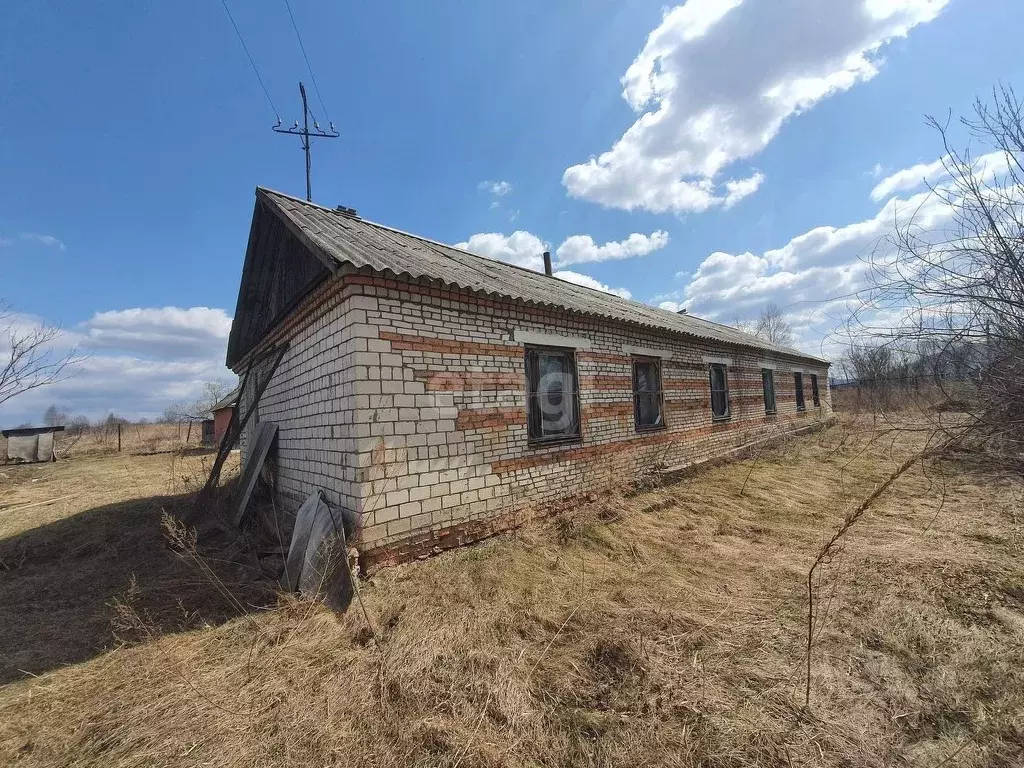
{"x":815,"y":394}
{"x":798,"y":386}
{"x":660,"y":392}
{"x":768,"y":375}
{"x":711,"y":385}
{"x":533,"y":415}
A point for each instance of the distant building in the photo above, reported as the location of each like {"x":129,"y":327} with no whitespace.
{"x":222,"y":413}
{"x":437,"y":397}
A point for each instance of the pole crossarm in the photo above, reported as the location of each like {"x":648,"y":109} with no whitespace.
{"x":305,"y":135}
{"x":301,"y":132}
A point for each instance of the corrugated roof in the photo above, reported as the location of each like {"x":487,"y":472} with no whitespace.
{"x":231,"y":398}
{"x":362,"y":243}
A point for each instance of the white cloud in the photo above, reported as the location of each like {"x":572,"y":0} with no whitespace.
{"x":166,"y":333}
{"x":496,"y":188}
{"x":822,"y":264}
{"x":715,"y":82}
{"x":580,"y":249}
{"x":521,"y":248}
{"x":987,"y":166}
{"x":525,"y":249}
{"x":740,"y":188}
{"x":908,"y":179}
{"x":814,"y":278}
{"x":137,"y":362}
{"x":588,"y":282}
{"x":48,"y":240}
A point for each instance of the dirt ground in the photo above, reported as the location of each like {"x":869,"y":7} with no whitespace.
{"x":665,"y":627}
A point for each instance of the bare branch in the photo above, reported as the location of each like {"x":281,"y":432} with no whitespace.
{"x":28,"y":358}
{"x":945,"y":302}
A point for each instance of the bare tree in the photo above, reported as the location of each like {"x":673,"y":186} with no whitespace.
{"x":773,"y":326}
{"x":212,"y":393}
{"x":54,"y":416}
{"x":873,"y":362}
{"x":747,"y":326}
{"x":945,"y":300}
{"x":28,"y":359}
{"x":946,"y":288}
{"x":77,"y":425}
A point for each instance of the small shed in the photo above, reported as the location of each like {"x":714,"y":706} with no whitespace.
{"x":31,"y":444}
{"x":222,"y":413}
{"x":208,"y":427}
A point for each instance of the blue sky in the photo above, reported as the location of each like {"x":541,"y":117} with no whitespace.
{"x":134,"y":133}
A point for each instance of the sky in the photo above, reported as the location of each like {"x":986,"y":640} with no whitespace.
{"x":717,"y":155}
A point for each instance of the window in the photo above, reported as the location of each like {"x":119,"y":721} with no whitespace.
{"x":768,"y":385}
{"x":815,"y":398}
{"x":648,"y":398}
{"x":552,"y":399}
{"x":798,"y":382}
{"x":719,"y":392}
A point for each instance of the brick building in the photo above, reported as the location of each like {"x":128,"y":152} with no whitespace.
{"x":437,"y":396}
{"x":222,"y":412}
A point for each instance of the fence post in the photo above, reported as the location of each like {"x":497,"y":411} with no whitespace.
{"x":119,"y":437}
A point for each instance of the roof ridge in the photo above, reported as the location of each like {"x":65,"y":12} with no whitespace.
{"x":486,"y":259}
{"x":627,"y":310}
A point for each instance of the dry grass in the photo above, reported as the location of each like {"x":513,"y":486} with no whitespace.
{"x":136,"y":439}
{"x":666,"y":628}
{"x":67,"y":568}
{"x":921,"y":398}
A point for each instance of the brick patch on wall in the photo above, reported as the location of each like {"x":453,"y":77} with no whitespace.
{"x":435,"y":541}
{"x":604,"y":449}
{"x":597,"y":410}
{"x":490,"y":418}
{"x":451,"y":381}
{"x":400,"y":342}
{"x":606,"y":382}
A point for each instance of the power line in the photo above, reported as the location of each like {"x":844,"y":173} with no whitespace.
{"x":302,"y":48}
{"x":251,"y":62}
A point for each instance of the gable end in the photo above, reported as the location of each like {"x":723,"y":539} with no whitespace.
{"x":279,"y":271}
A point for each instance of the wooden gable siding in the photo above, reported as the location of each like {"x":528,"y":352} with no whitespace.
{"x":279,"y":270}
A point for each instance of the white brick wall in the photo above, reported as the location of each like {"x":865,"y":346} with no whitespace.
{"x":406,"y":403}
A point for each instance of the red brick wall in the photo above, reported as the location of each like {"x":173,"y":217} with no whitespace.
{"x":221,"y":419}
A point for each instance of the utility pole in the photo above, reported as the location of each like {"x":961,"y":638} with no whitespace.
{"x":304,"y":135}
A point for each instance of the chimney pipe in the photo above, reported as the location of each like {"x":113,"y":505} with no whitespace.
{"x":547,"y":263}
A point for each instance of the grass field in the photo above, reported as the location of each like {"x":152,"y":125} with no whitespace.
{"x":663,"y":628}
{"x":136,"y":439}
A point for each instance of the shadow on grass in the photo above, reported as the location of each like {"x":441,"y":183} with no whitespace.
{"x":60,"y":583}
